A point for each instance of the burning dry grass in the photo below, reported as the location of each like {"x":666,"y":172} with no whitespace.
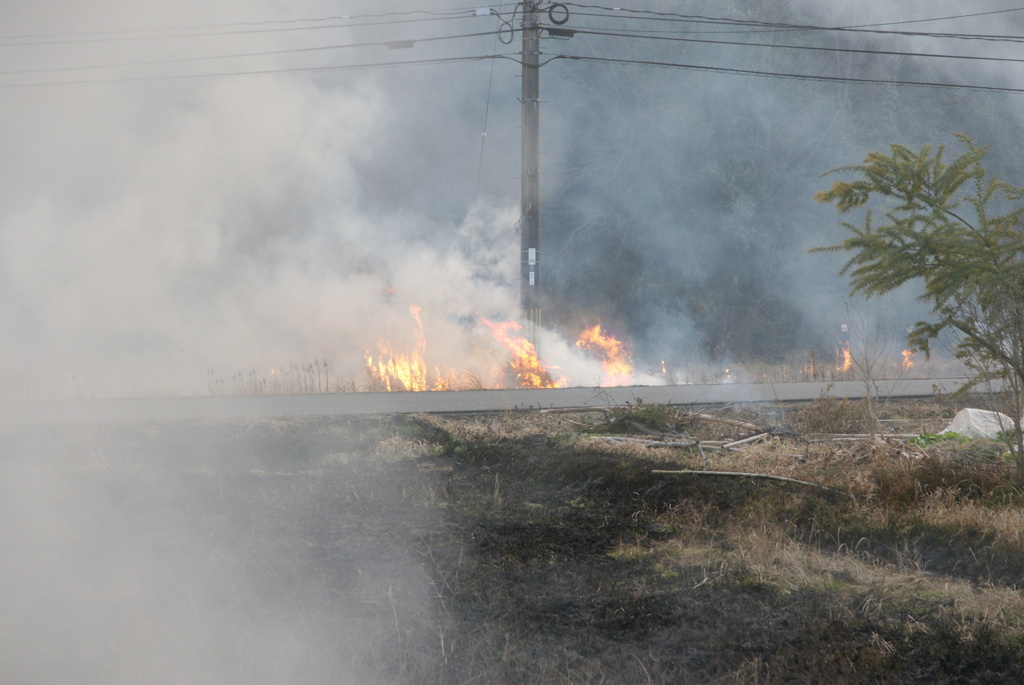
{"x":514,"y":362}
{"x":501,"y":356}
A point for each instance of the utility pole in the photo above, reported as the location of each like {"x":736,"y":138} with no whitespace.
{"x":530,"y":208}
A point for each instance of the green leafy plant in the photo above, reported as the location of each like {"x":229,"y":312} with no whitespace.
{"x":929,"y":439}
{"x":956,"y":228}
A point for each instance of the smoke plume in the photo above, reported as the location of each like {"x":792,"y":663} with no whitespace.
{"x":195,"y":191}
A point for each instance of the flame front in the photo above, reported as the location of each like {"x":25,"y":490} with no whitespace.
{"x":612,"y":353}
{"x":525,"y":365}
{"x":908,"y":360}
{"x":844,"y":359}
{"x":397,"y":371}
{"x":400,"y":371}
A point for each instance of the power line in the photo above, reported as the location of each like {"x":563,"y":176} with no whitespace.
{"x":487,"y":111}
{"x":650,"y":15}
{"x":200,"y":31}
{"x":771,"y":74}
{"x":951,"y":17}
{"x":406,"y":43}
{"x":619,"y":34}
{"x":462,"y":13}
{"x":501,"y":31}
{"x":259,"y":72}
{"x":743,"y":21}
{"x":514,"y":58}
{"x":410,"y":42}
{"x":393,"y":18}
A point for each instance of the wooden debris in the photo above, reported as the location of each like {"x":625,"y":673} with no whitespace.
{"x":575,"y":410}
{"x":746,"y":441}
{"x":732,"y":422}
{"x":648,"y":442}
{"x":735,"y":474}
{"x":855,"y":437}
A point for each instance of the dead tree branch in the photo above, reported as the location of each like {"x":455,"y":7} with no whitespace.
{"x":746,"y":441}
{"x":648,"y":443}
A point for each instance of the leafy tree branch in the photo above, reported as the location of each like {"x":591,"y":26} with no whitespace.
{"x":957,"y":229}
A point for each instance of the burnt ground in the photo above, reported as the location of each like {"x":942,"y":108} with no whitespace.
{"x":513,"y":548}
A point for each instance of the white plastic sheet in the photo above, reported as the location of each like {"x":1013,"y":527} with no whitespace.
{"x":979,"y":423}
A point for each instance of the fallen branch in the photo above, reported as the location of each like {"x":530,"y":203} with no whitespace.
{"x":753,"y":438}
{"x":575,"y":410}
{"x":659,"y":443}
{"x":853,"y":437}
{"x":732,"y":422}
{"x":735,"y":474}
{"x":648,"y":443}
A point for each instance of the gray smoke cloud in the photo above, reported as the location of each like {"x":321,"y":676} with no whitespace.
{"x":689,"y":192}
{"x":159,"y":231}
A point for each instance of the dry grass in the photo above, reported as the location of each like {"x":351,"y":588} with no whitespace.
{"x":838,"y":415}
{"x":912,"y":576}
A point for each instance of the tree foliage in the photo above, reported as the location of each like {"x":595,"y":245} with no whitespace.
{"x":958,"y":230}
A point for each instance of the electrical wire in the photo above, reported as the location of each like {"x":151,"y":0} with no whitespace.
{"x":951,"y":17}
{"x":213,"y":30}
{"x":487,"y":111}
{"x":509,"y":30}
{"x":771,"y":74}
{"x":266,"y":53}
{"x":889,"y":23}
{"x":506,"y":28}
{"x":817,"y":48}
{"x":498,"y":34}
{"x":259,"y":72}
{"x":650,"y":15}
{"x":206,"y":30}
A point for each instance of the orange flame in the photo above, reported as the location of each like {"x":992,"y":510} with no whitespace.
{"x":400,"y":371}
{"x":614,"y":357}
{"x":908,"y":360}
{"x":525,"y":365}
{"x":397,"y":371}
{"x":844,"y":359}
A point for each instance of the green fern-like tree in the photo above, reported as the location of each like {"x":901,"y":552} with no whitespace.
{"x":956,"y":228}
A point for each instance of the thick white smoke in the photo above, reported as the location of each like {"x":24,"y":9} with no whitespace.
{"x":153,"y":231}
